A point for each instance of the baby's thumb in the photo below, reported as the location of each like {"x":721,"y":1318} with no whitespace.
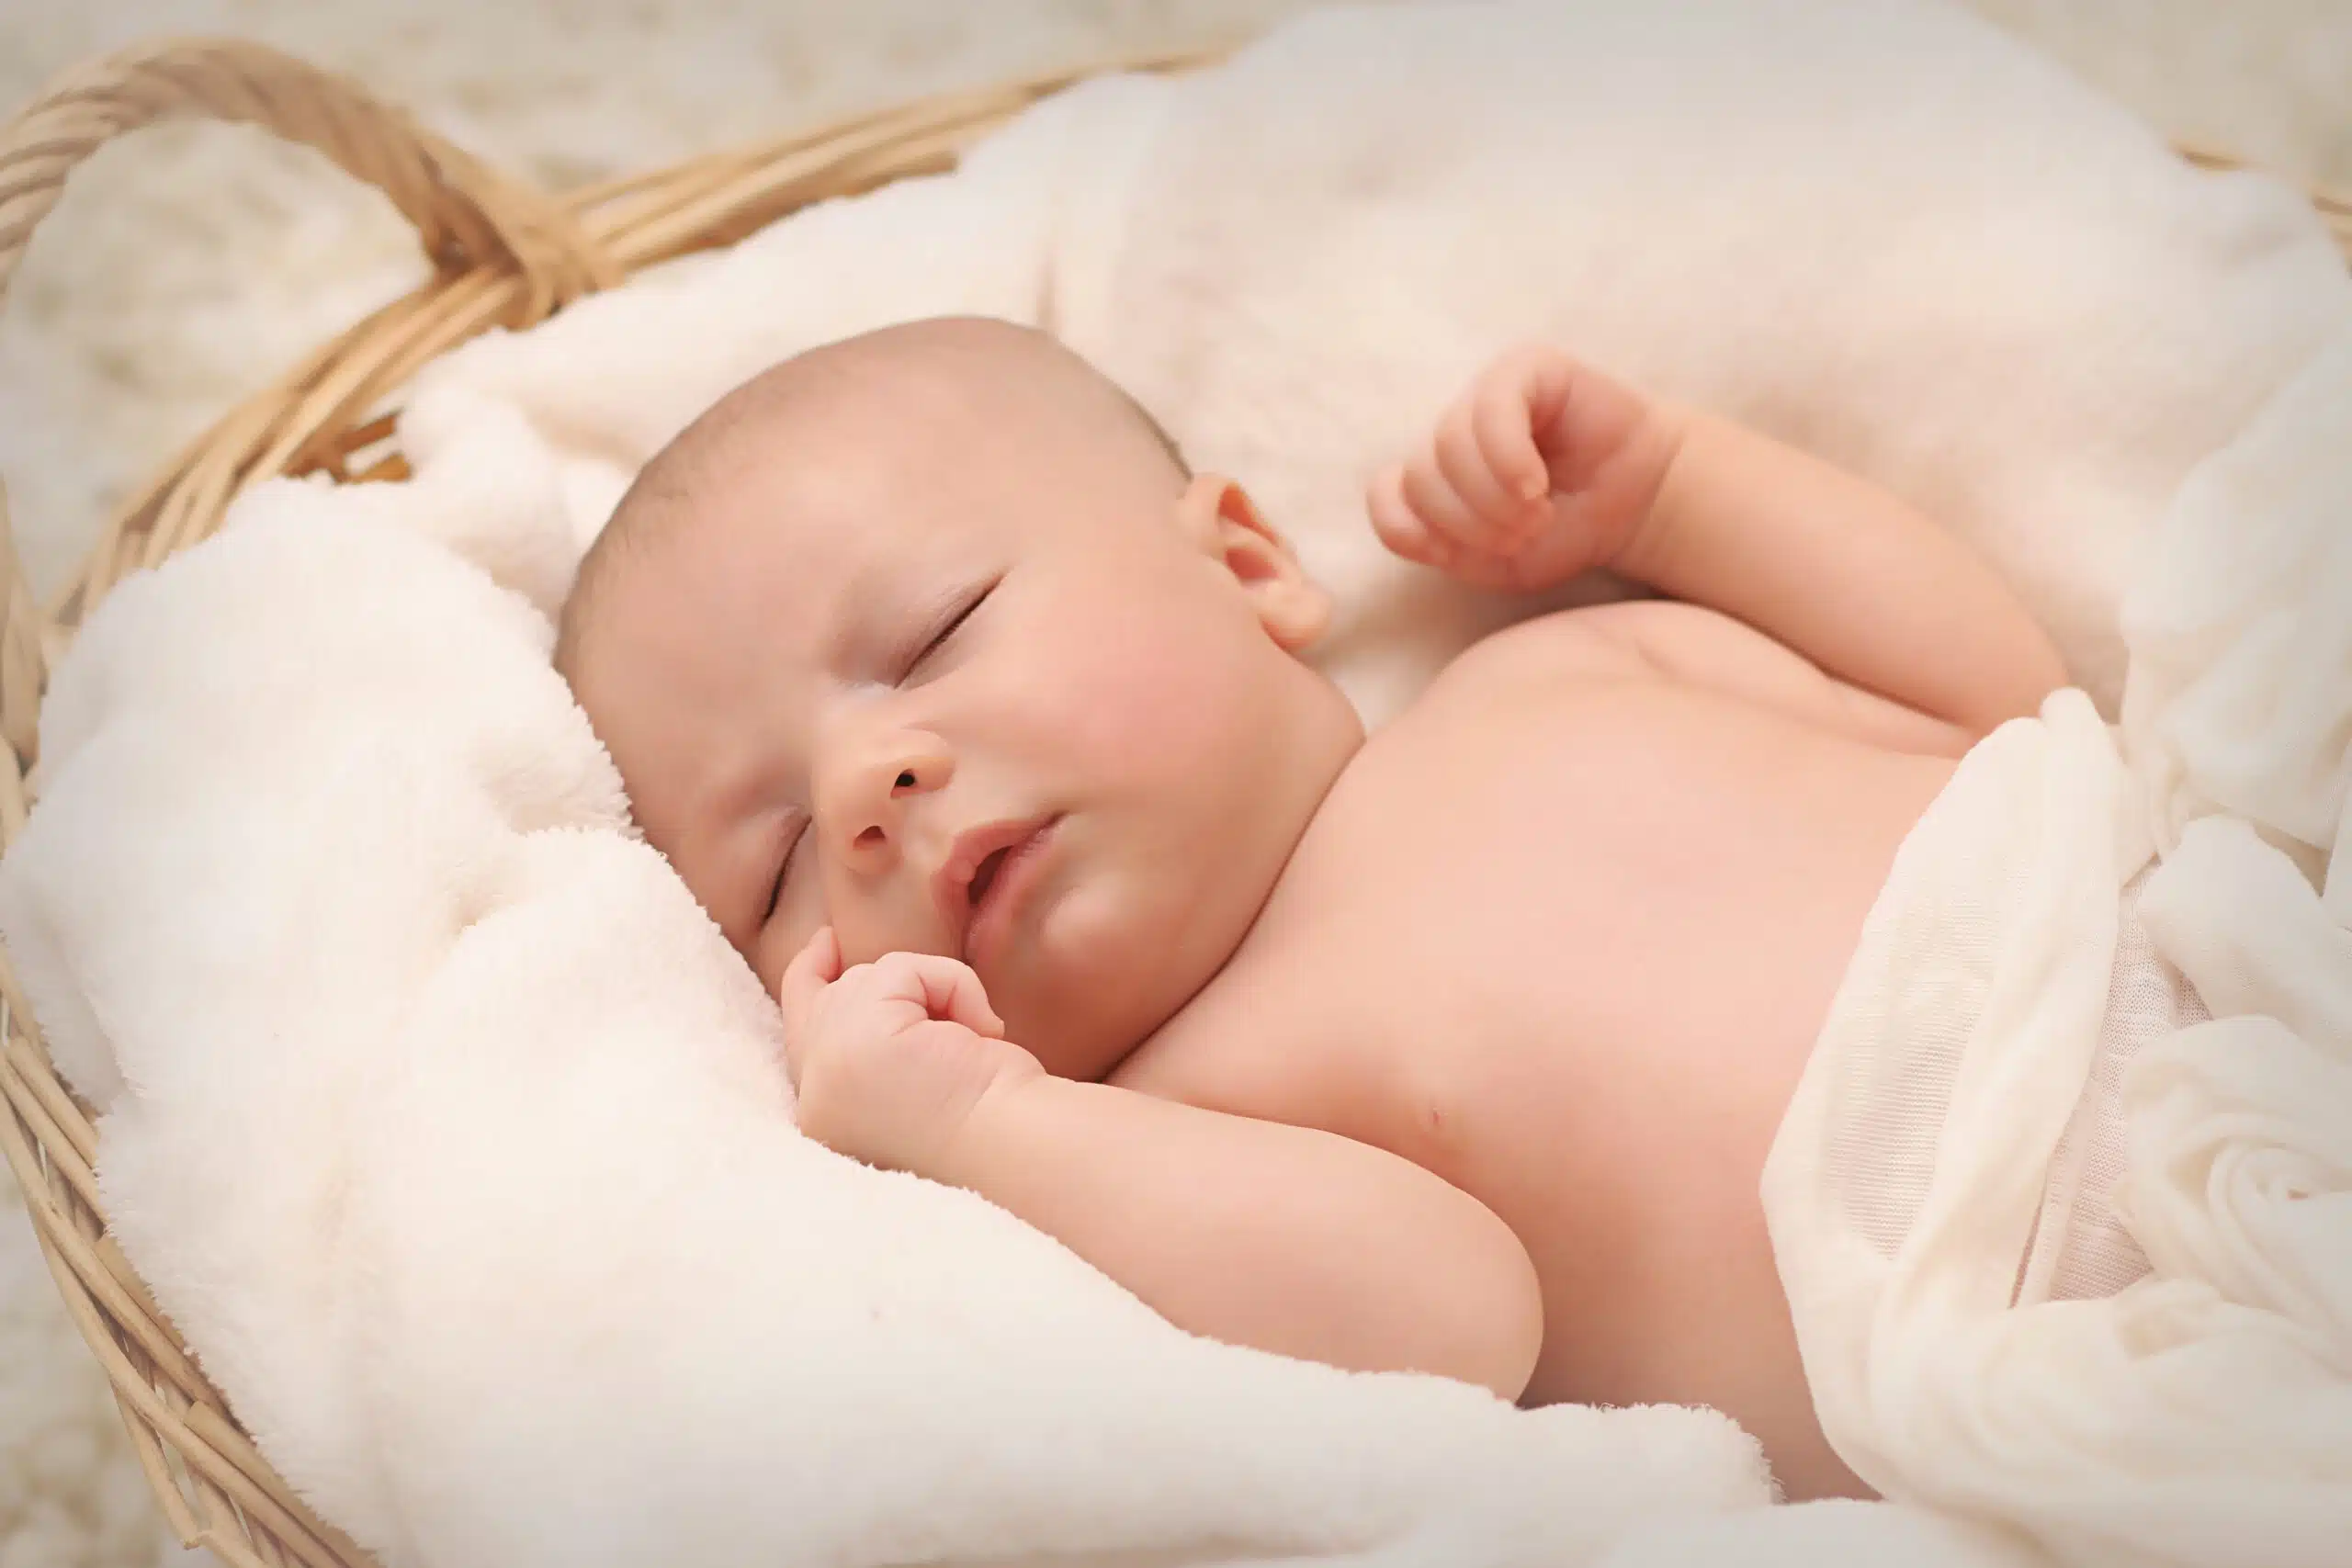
{"x":815,"y":966}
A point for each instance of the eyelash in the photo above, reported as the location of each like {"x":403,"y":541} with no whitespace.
{"x":954,"y":625}
{"x":775,"y":894}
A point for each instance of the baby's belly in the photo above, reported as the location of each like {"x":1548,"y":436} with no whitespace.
{"x":1604,"y":952}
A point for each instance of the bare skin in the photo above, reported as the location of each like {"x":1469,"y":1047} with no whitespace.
{"x":1458,"y":1050}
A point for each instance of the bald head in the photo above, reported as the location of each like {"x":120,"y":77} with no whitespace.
{"x":918,"y":387}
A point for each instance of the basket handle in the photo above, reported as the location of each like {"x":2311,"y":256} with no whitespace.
{"x":466,"y":215}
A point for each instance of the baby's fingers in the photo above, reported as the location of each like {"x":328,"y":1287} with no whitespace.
{"x":815,"y":966}
{"x":943,"y":987}
{"x":1503,"y":420}
{"x":1399,"y":527}
{"x":1462,"y":460}
{"x":1444,"y":514}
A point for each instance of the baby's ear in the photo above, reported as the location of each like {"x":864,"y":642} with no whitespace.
{"x":1220,"y":517}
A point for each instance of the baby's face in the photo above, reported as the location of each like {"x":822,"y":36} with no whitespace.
{"x":1004,"y":692}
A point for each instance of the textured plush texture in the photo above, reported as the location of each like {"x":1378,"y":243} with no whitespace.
{"x":116,"y":344}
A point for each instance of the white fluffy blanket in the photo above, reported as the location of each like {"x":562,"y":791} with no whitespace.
{"x":454,"y":1138}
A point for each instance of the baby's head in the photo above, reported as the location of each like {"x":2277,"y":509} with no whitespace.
{"x":895,"y":605}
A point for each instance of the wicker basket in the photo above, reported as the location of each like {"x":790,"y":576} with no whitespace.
{"x":504,"y":255}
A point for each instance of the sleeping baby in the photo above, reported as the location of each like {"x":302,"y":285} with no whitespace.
{"x":984,"y":729}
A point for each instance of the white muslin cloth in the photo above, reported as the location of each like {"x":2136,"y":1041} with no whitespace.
{"x":2202,"y":1414}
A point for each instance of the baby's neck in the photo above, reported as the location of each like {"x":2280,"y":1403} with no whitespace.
{"x":1226,"y":990}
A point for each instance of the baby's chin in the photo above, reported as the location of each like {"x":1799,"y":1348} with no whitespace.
{"x":1102,"y":976}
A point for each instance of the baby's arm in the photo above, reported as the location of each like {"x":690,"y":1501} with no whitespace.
{"x":1545,"y":469}
{"x":1256,"y":1232}
{"x":1843,"y":573}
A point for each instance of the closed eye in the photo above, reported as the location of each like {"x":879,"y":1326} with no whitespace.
{"x":954,"y":624}
{"x":783,"y":870}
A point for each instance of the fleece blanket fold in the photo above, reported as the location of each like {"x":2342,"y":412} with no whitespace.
{"x":454,"y":1138}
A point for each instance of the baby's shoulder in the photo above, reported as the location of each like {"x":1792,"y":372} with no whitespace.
{"x":1616,"y":641}
{"x":1588,"y":643}
{"x":1598,"y":647}
{"x":1545,"y":664}
{"x":1277,"y":1037}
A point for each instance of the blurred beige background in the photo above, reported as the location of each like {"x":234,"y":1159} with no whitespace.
{"x":185,"y":269}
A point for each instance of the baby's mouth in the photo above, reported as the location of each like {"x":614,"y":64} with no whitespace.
{"x":984,"y":875}
{"x":982,"y":869}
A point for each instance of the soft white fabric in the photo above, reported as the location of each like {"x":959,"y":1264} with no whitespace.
{"x":1881,"y":230}
{"x":452,"y":1135}
{"x":457,"y":1140}
{"x":2082,"y":1250}
{"x":2203,"y":1415}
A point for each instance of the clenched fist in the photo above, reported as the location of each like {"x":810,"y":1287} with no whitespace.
{"x":1542,"y":469}
{"x":888,"y":1058}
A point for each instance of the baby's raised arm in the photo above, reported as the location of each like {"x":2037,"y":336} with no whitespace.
{"x":1545,"y":468}
{"x":1255,"y":1233}
{"x":1843,"y":573}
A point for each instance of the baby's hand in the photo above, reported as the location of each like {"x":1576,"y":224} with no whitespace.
{"x":1543,"y":468}
{"x":890,"y":1058}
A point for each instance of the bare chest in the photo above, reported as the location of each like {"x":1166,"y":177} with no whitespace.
{"x":1527,"y":916}
{"x":1569,"y":949}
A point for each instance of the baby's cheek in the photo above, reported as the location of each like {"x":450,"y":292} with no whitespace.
{"x":1135,"y":705}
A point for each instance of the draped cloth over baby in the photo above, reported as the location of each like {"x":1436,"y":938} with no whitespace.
{"x":2201,"y":1413}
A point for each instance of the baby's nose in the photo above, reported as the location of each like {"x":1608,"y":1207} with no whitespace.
{"x":870,"y":822}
